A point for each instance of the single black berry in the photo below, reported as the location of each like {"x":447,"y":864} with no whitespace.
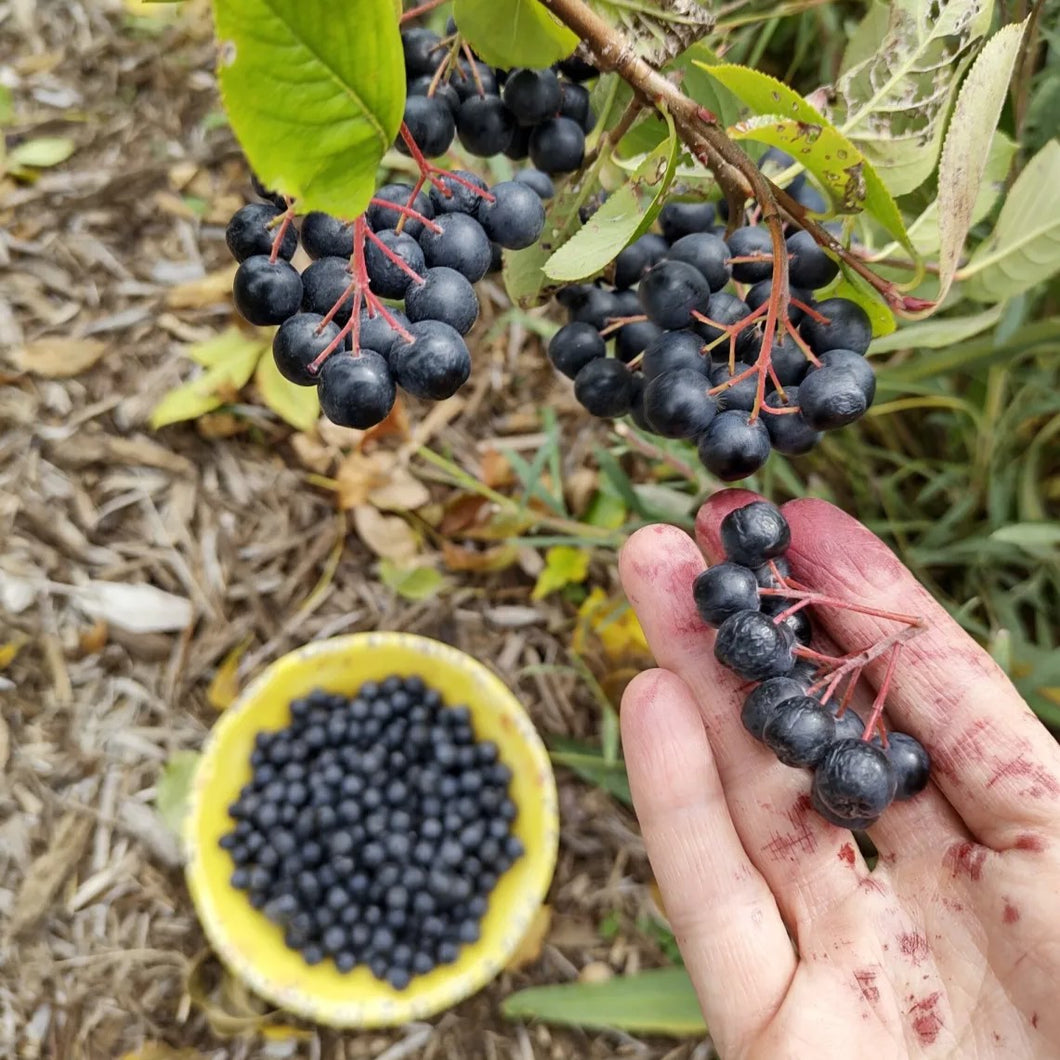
{"x":574,"y":346}
{"x":539,"y":181}
{"x":604,"y":387}
{"x":672,"y":351}
{"x":430,"y":123}
{"x":799,"y":731}
{"x":707,"y":253}
{"x":386,"y":277}
{"x":831,"y":397}
{"x":460,"y":197}
{"x":267,"y":292}
{"x":379,"y":215}
{"x":557,"y":145}
{"x":853,"y":783}
{"x":515,"y":218}
{"x":751,"y":242}
{"x":532,"y":95}
{"x":755,"y":533}
{"x":760,"y":706}
{"x":298,"y":341}
{"x":254,"y":228}
{"x":678,"y":404}
{"x":444,"y":295}
{"x":734,"y":446}
{"x":724,"y":589}
{"x":677,"y":219}
{"x":356,"y":390}
{"x":435,"y":364}
{"x":484,"y":125}
{"x":325,"y":236}
{"x":461,"y":244}
{"x":671,"y":291}
{"x":789,"y":433}
{"x":909,"y":760}
{"x":750,"y":643}
{"x":808,"y":264}
{"x":846,"y":326}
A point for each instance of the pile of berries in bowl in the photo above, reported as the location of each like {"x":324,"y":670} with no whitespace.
{"x":371,"y":830}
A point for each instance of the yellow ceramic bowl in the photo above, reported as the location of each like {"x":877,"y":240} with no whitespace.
{"x":252,"y":946}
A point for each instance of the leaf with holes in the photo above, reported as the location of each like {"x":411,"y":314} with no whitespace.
{"x":315,"y":94}
{"x":659,"y":29}
{"x":514,"y":32}
{"x":966,"y":150}
{"x":1024,"y":248}
{"x":893,"y":103}
{"x":786,"y":120}
{"x":628,"y":213}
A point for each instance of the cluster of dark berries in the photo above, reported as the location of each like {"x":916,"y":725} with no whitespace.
{"x":760,"y":635}
{"x":541,"y":114}
{"x":374,"y":828}
{"x":686,"y":310}
{"x":423,"y":249}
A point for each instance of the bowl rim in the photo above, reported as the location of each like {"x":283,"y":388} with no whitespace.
{"x":463,"y":981}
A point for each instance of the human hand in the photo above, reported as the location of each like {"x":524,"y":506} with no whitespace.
{"x":951,"y":945}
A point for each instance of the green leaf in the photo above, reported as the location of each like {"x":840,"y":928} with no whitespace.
{"x":893,"y":103}
{"x":965,"y":152}
{"x":41,"y":153}
{"x":852,"y":286}
{"x":225,"y":346}
{"x":620,"y":220}
{"x":413,"y":583}
{"x":937,"y":333}
{"x":297,"y":405}
{"x":864,"y":42}
{"x":219,"y":384}
{"x":7,"y":108}
{"x":611,"y":776}
{"x":174,"y":788}
{"x":564,"y":566}
{"x":514,"y":32}
{"x":788,"y":121}
{"x":315,"y":94}
{"x":1024,"y":248}
{"x":1030,"y":536}
{"x":659,"y":1001}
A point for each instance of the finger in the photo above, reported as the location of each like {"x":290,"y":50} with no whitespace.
{"x":926,"y":823}
{"x":720,"y":908}
{"x":809,"y":865}
{"x":994,"y":761}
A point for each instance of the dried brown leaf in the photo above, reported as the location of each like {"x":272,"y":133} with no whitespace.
{"x":388,"y":536}
{"x":489,"y":559}
{"x":93,"y":640}
{"x":213,"y":289}
{"x":45,"y":876}
{"x":361,"y":473}
{"x":58,"y":357}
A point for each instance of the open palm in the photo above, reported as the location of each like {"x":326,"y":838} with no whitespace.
{"x":951,"y":945}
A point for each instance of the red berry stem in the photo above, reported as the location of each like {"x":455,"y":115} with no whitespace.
{"x":420,"y":9}
{"x":811,"y":596}
{"x":407,"y":211}
{"x":388,"y":253}
{"x":616,"y":323}
{"x":874,"y":721}
{"x":802,"y":343}
{"x":286,"y":219}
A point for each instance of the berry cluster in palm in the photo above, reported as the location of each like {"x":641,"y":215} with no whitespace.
{"x":695,"y":352}
{"x":765,"y":635}
{"x":374,"y":828}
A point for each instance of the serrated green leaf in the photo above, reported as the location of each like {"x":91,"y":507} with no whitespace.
{"x":964,"y":153}
{"x":412,"y":583}
{"x":41,"y":153}
{"x":852,"y":286}
{"x":1024,"y":248}
{"x":297,"y":405}
{"x":564,"y":566}
{"x":219,"y":384}
{"x":174,"y":788}
{"x":659,"y":1001}
{"x":893,"y":104}
{"x":938,"y":333}
{"x":514,"y":32}
{"x":620,"y":220}
{"x":315,"y":94}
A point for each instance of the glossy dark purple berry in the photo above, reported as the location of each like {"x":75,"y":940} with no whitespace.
{"x":377,"y":333}
{"x":751,"y":242}
{"x":253,"y":229}
{"x":484,"y":125}
{"x":594,"y":305}
{"x":848,"y":725}
{"x":678,"y":219}
{"x":808,"y":264}
{"x":740,"y":395}
{"x":754,"y":646}
{"x":733,"y":446}
{"x":539,"y":181}
{"x":831,"y":398}
{"x":755,"y":533}
{"x":909,"y":760}
{"x":705,"y":252}
{"x":722,"y":590}
{"x":386,"y":277}
{"x":325,"y":236}
{"x":423,"y":51}
{"x":444,"y":295}
{"x":604,"y":387}
{"x":847,"y":327}
{"x":267,"y":292}
{"x":356,"y":390}
{"x":635,"y":260}
{"x":633,"y":339}
{"x":298,"y":342}
{"x":557,"y":145}
{"x":678,"y":404}
{"x":857,"y":364}
{"x":765,"y":700}
{"x":853,"y":784}
{"x":758,"y":294}
{"x":532,"y":95}
{"x":515,"y":218}
{"x":799,"y":731}
{"x":789,"y":433}
{"x":670,"y":291}
{"x":431,"y":124}
{"x":435,"y":364}
{"x":672,"y":351}
{"x":574,"y":346}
